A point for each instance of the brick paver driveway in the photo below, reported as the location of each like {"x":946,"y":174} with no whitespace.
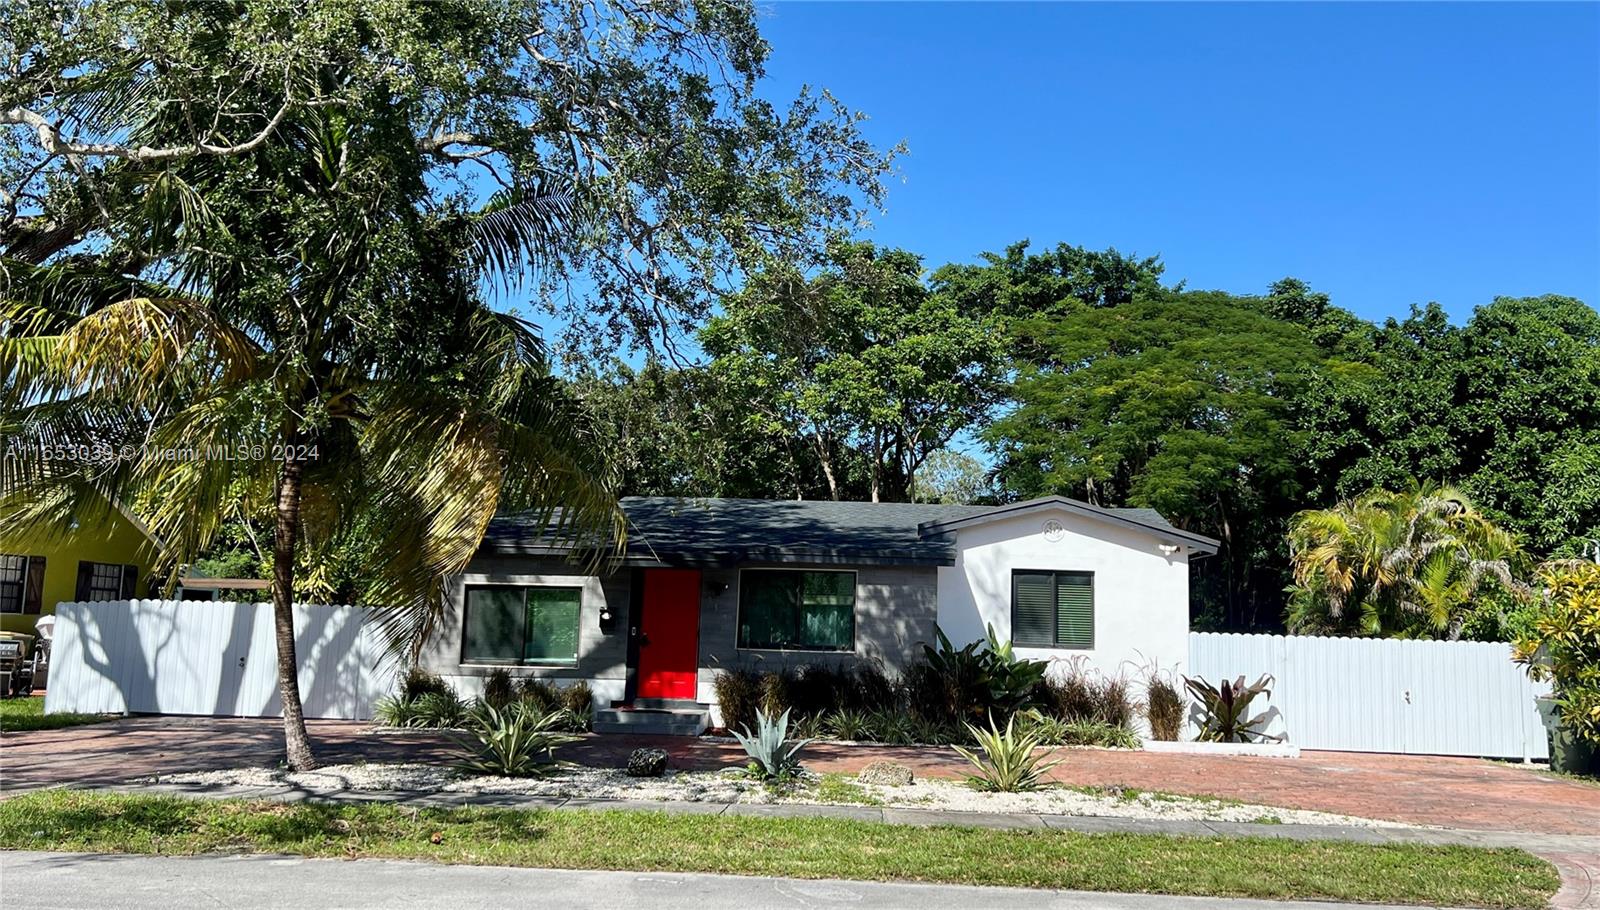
{"x":1424,"y":790}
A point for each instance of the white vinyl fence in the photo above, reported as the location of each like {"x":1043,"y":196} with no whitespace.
{"x":1384,"y":695}
{"x":211,"y":658}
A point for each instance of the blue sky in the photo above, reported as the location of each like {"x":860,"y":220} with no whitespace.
{"x":1387,"y":154}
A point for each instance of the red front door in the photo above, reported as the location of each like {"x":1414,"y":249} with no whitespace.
{"x":669,"y":633}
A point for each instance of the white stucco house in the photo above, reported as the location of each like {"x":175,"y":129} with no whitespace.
{"x":709,"y":584}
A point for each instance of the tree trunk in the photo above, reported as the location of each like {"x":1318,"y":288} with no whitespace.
{"x":827,"y":466}
{"x":286,"y":532}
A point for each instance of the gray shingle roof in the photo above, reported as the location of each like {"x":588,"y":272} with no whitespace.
{"x":677,"y":531}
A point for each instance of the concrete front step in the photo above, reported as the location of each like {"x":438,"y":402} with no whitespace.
{"x":675,"y":721}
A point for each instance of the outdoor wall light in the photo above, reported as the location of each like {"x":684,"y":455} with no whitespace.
{"x":715,"y":588}
{"x":1170,"y":548}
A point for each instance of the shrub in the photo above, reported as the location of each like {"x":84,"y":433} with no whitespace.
{"x":850,"y":725}
{"x":776,"y":695}
{"x":1113,"y":703}
{"x":1079,"y":696}
{"x":888,"y":725}
{"x":963,"y":684}
{"x":440,"y":710}
{"x":396,"y":712}
{"x":1227,"y":709}
{"x":1164,"y":706}
{"x":514,"y":741}
{"x":1564,"y":646}
{"x":820,"y":689}
{"x":1095,"y":733}
{"x":1008,"y":764}
{"x":738,"y":698}
{"x":419,"y":682}
{"x":773,"y":756}
{"x":540,"y":694}
{"x":578,"y":698}
{"x":498,"y":689}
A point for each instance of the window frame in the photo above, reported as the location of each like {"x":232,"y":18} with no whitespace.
{"x":855,"y":601}
{"x":1055,"y":598}
{"x":467,"y":661}
{"x":22,"y":586}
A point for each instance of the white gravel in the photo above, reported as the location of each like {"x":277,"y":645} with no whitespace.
{"x":731,"y":786}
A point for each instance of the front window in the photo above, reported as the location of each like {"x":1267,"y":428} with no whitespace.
{"x":13,"y":578}
{"x":516,"y":624}
{"x":1052,"y":609}
{"x":797,"y":610}
{"x":103,"y":581}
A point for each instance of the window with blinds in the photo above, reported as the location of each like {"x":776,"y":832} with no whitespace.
{"x":1052,"y":609}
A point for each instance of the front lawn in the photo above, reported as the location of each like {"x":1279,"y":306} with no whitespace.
{"x":28,"y":714}
{"x":790,"y":847}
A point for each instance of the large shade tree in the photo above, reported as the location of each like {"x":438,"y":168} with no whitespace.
{"x":268,"y":222}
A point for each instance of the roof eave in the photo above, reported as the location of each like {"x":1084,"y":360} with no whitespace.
{"x":1197,"y":542}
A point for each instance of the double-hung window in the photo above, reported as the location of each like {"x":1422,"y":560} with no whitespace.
{"x":106,"y":581}
{"x":14,"y":586}
{"x":802,"y":610}
{"x":520,"y":624}
{"x":1052,"y":609}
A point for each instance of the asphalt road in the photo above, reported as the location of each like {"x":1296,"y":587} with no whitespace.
{"x":64,"y":880}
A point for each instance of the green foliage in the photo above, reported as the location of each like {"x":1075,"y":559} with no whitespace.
{"x":1564,"y":645}
{"x":1078,"y":695}
{"x":773,"y":755}
{"x":860,"y":360}
{"x":1164,"y":708}
{"x":513,"y":741}
{"x":578,"y":700}
{"x":949,"y":477}
{"x":418,"y":682}
{"x":1008,"y":763}
{"x":775,"y":695}
{"x":852,"y":726}
{"x":1226,"y":709}
{"x":956,"y":685}
{"x":738,"y":698}
{"x":498,"y":690}
{"x":1053,"y":731}
{"x":439,"y":710}
{"x":1408,"y":564}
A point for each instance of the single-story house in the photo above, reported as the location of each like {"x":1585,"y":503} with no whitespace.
{"x":111,"y":560}
{"x":709,"y":584}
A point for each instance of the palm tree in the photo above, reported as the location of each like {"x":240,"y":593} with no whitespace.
{"x":1397,"y":564}
{"x":296,"y":334}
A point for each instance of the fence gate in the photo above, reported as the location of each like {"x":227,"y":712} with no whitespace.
{"x":1385,"y":695}
{"x":210,"y":658}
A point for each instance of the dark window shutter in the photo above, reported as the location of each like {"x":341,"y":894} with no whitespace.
{"x":130,"y":580}
{"x":1033,"y":620}
{"x":85,"y":580}
{"x":1075,"y":610}
{"x":33,"y":591}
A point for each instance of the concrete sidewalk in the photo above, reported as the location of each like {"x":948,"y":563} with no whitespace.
{"x":65,"y":880}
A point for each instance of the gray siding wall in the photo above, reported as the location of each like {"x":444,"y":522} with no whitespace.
{"x":896,"y":607}
{"x":602,"y":648}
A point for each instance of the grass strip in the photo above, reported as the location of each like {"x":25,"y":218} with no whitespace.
{"x":71,"y":820}
{"x":18,"y":714}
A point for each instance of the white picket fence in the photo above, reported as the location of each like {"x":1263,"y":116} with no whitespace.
{"x":211,"y":658}
{"x":1385,"y":695}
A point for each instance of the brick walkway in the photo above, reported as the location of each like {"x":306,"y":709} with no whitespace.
{"x":1421,"y":790}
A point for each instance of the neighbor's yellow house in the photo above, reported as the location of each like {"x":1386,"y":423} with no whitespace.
{"x":112,"y":561}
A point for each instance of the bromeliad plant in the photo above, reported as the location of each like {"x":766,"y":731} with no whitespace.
{"x":1008,"y":764}
{"x":513,"y":741}
{"x":1227,"y":708}
{"x":773,"y":756}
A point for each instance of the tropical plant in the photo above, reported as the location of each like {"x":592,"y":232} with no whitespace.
{"x":440,"y":710}
{"x":1164,"y":707}
{"x":396,"y":711}
{"x":776,"y":697}
{"x":738,"y":698}
{"x":498,"y":690}
{"x":1406,"y":564}
{"x":1225,"y":717}
{"x":263,"y":224}
{"x":1053,"y":731}
{"x":773,"y":756}
{"x":1564,"y":646}
{"x":852,"y":726}
{"x":513,"y":741}
{"x":418,"y":682}
{"x":892,"y":726}
{"x":578,"y":700}
{"x":978,"y":679}
{"x":1008,"y":763}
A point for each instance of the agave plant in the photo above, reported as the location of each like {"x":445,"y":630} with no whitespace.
{"x":1227,"y":708}
{"x":1008,"y":764}
{"x":513,"y":741}
{"x":772,"y":754}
